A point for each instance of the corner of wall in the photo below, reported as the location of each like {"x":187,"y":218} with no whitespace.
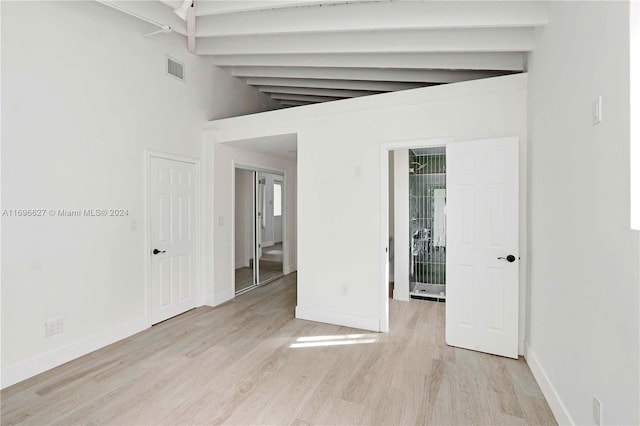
{"x":338,"y":318}
{"x":550,"y":393}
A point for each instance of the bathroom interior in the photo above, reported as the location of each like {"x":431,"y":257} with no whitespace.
{"x":427,"y":223}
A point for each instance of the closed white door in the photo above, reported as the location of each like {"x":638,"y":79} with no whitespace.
{"x":172,"y":219}
{"x":482,"y":246}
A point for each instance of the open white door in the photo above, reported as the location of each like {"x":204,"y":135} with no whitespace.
{"x":172,"y":219}
{"x":482,"y":246}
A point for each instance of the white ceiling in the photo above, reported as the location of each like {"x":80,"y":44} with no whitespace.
{"x":307,"y":51}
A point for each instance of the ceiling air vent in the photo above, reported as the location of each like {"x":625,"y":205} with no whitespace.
{"x":175,"y":69}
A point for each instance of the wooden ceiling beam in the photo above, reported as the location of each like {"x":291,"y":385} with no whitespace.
{"x":414,"y":41}
{"x":377,"y":16}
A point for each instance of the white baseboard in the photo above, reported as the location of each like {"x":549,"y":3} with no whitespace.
{"x":551,"y":395}
{"x":23,"y":370}
{"x":521,"y":347}
{"x":289,"y":269}
{"x":220,"y":297}
{"x":208,"y":300}
{"x":337,"y":318}
{"x":400,"y":295}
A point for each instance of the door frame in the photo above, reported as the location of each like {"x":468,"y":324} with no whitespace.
{"x":383,"y":274}
{"x":148,"y":155}
{"x":244,"y":165}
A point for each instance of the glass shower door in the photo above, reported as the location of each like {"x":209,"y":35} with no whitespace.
{"x":427,"y":201}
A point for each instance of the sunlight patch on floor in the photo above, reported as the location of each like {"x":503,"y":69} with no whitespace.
{"x":337,"y":340}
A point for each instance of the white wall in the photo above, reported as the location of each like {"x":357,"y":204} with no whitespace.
{"x":391,"y":216}
{"x":583,"y":329}
{"x":243,"y":217}
{"x":219,"y":160}
{"x":634,"y":71}
{"x":345,"y":137}
{"x":83,"y":95}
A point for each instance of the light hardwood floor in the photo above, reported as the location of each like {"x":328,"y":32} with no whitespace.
{"x":270,"y":267}
{"x":268,"y":270}
{"x":250,"y":362}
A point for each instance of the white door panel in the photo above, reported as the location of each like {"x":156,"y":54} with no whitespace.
{"x":172,"y":210}
{"x":482,"y":225}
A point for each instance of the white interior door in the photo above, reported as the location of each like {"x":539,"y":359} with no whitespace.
{"x":172,"y":210}
{"x":482,"y":232}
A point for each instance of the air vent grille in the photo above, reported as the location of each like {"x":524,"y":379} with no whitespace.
{"x":175,"y":69}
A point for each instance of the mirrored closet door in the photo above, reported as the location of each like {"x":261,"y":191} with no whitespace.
{"x":259,"y":224}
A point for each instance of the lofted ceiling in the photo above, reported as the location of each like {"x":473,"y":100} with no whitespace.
{"x":301,"y":52}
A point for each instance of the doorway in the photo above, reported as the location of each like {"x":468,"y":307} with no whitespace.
{"x":479,"y":229}
{"x":259,"y":223}
{"x":427,"y":223}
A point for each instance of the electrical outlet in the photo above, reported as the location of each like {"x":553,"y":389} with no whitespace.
{"x":345,"y":290}
{"x":53,"y":327}
{"x":597,"y":411}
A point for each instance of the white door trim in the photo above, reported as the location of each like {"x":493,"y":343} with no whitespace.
{"x":148,"y":154}
{"x":235,"y":164}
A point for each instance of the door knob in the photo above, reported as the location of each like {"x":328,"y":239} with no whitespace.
{"x":510,"y":258}
{"x":156,"y":251}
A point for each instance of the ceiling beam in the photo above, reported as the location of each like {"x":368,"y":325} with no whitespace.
{"x":397,"y":15}
{"x":155,"y":11}
{"x":173,"y":4}
{"x":222,"y":7}
{"x":447,"y":40}
{"x":296,"y":103}
{"x":475,"y":61}
{"x":374,"y":86}
{"x":308,"y":98}
{"x":191,"y":27}
{"x":315,"y":91}
{"x":364,"y":74}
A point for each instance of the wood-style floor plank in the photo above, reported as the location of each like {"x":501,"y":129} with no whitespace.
{"x":250,"y":361}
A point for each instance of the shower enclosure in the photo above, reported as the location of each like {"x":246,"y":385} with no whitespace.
{"x":427,"y":224}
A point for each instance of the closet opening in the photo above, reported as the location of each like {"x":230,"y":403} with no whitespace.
{"x":259,"y":223}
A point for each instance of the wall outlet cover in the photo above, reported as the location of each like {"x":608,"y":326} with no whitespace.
{"x":53,"y":327}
